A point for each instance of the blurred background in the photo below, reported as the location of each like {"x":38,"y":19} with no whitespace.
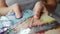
{"x":57,"y":12}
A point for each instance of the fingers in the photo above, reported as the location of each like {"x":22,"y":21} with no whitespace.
{"x":37,"y":10}
{"x":45,"y":11}
{"x":37,"y":13}
{"x":17,"y":10}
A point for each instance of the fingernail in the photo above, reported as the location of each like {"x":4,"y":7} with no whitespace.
{"x":19,"y":16}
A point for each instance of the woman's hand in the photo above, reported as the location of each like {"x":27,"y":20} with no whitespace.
{"x":15,"y":8}
{"x":42,"y":7}
{"x":39,"y":9}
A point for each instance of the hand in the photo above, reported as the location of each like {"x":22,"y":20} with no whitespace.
{"x":15,"y":8}
{"x":39,"y":9}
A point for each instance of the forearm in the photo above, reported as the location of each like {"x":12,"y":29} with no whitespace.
{"x":3,"y":3}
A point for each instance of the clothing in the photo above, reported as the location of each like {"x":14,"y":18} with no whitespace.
{"x":56,"y":14}
{"x":25,"y":4}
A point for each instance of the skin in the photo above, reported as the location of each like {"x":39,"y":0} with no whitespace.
{"x":45,"y":7}
{"x":14,"y":8}
{"x":40,"y":6}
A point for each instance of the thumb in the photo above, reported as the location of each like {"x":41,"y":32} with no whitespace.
{"x":37,"y":10}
